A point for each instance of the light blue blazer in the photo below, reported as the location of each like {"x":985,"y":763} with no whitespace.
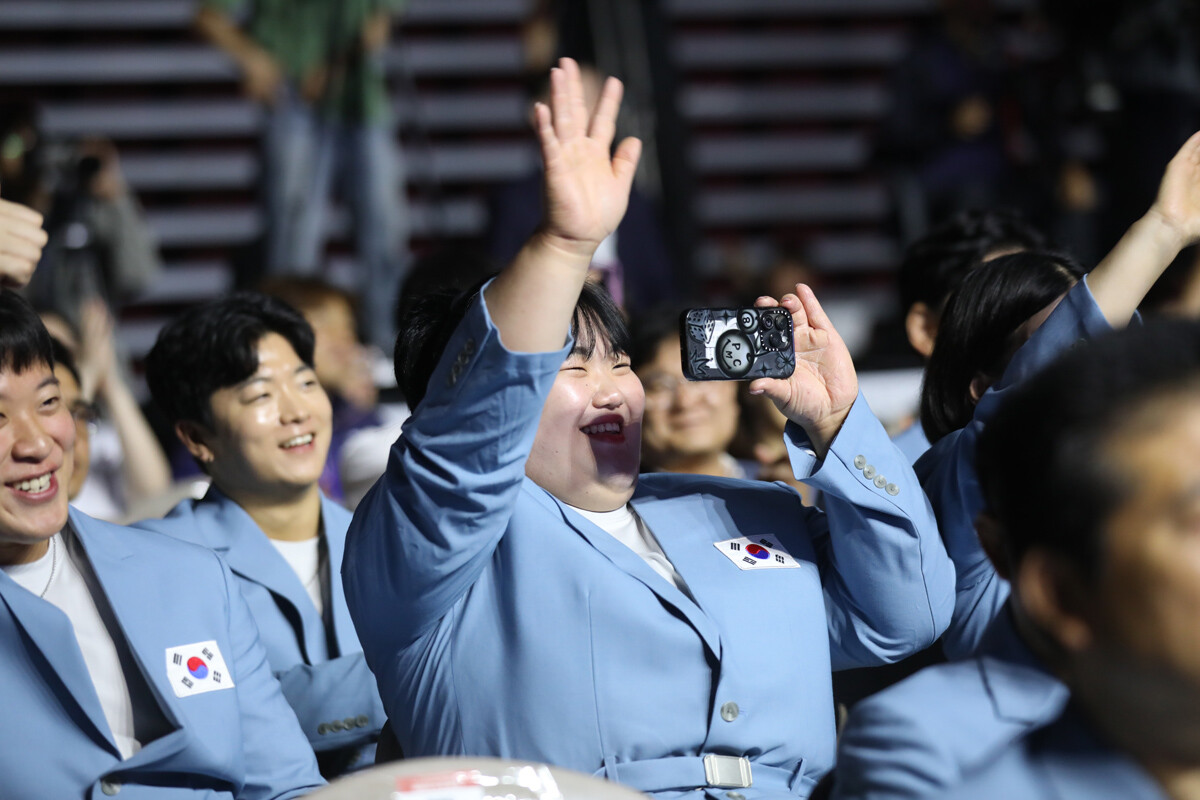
{"x":241,"y":742}
{"x":927,"y":732}
{"x":322,"y":672}
{"x":947,"y":472}
{"x":1062,"y":761}
{"x":515,"y":628}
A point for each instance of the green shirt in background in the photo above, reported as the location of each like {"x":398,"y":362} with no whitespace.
{"x":304,"y":35}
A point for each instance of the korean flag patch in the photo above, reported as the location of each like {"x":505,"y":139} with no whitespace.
{"x":197,"y":668}
{"x":757,"y":552}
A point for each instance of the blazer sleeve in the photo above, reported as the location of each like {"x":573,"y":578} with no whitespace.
{"x":426,"y":531}
{"x":336,"y":702}
{"x":888,"y":753}
{"x":947,"y":472}
{"x":279,"y":763}
{"x":888,"y":583}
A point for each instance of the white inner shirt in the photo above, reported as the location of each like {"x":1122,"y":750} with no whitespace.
{"x":627,"y":527}
{"x":68,"y":591}
{"x":304,"y":557}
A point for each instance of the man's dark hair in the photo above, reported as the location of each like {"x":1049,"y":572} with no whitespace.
{"x":975,"y":335}
{"x":432,"y":319}
{"x":935,"y":264}
{"x":215,"y":345}
{"x":24,"y":341}
{"x":1042,"y":461}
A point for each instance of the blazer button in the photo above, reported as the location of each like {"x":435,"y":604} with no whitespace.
{"x":880,"y":481}
{"x":362,"y":720}
{"x":893,"y":489}
{"x":869,"y":472}
{"x":469,"y":346}
{"x":336,"y":725}
{"x":729,"y":712}
{"x":323,"y":729}
{"x":109,"y":787}
{"x":860,"y":462}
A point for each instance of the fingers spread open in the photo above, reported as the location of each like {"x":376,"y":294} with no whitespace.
{"x":604,"y":121}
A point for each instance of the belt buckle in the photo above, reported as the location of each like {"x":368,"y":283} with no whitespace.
{"x":727,"y":772}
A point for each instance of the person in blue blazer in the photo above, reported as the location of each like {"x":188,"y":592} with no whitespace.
{"x":130,"y":662}
{"x":1089,"y":476}
{"x":235,"y":378}
{"x":1108,"y":297}
{"x":521,"y":592}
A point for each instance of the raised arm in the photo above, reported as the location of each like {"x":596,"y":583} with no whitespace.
{"x":1109,"y":299}
{"x":586,"y":193}
{"x":421,"y":538}
{"x":1122,"y":279}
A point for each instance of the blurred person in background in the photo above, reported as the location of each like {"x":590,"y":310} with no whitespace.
{"x":129,"y":470}
{"x":1011,"y":336}
{"x":235,"y":377}
{"x":99,"y":245}
{"x":318,"y":68}
{"x":933,"y":266}
{"x":688,"y":426}
{"x":955,"y":122}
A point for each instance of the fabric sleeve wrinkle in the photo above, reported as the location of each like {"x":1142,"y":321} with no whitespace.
{"x":423,"y":535}
{"x":887,"y":581}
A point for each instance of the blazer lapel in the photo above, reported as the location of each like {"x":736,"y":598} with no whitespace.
{"x":334,"y":522}
{"x":51,"y":633}
{"x":632,"y":564}
{"x":105,"y":554}
{"x":1021,"y":688}
{"x":249,"y":553}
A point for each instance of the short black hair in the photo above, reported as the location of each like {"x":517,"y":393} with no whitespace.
{"x":975,"y":333}
{"x":1042,"y":461}
{"x":215,"y":345}
{"x":934,"y":265}
{"x":432,"y":319}
{"x":24,"y":341}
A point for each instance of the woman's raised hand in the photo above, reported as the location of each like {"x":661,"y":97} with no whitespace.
{"x":586,"y":187}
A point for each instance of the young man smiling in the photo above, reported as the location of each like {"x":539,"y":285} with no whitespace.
{"x":130,"y":661}
{"x":235,"y":377}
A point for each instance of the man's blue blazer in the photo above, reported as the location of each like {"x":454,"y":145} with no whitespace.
{"x":241,"y":742}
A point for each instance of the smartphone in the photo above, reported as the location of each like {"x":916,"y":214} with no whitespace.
{"x":736,"y":344}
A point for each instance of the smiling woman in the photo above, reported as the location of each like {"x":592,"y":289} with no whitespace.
{"x":545,"y":601}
